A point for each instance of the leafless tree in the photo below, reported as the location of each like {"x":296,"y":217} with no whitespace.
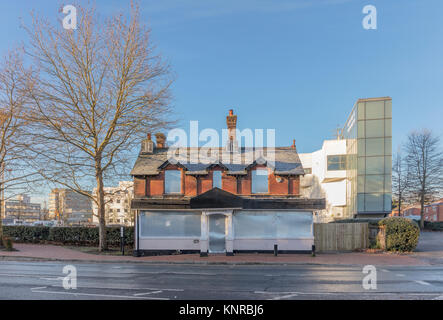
{"x":400,"y":180}
{"x":15,"y":177}
{"x":425,"y":162}
{"x":100,"y":89}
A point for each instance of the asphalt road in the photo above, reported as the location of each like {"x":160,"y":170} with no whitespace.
{"x":44,"y":280}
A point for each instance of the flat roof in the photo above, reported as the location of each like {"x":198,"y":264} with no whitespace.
{"x":374,"y":99}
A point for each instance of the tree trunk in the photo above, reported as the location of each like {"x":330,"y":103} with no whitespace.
{"x":422,"y":210}
{"x":101,"y":210}
{"x":1,"y":225}
{"x":399,"y":205}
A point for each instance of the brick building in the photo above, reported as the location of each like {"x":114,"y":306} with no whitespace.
{"x":244,"y":199}
{"x":434,"y":211}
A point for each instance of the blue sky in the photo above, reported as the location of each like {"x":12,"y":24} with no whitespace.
{"x":297,"y":66}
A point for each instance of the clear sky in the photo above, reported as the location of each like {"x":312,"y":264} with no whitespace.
{"x":297,"y":66}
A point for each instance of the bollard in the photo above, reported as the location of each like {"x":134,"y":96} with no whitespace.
{"x":122,"y":240}
{"x":275,"y":250}
{"x":313,"y":250}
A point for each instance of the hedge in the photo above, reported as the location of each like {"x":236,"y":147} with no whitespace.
{"x":434,"y":226}
{"x":401,"y":233}
{"x":370,"y":221}
{"x":67,"y":235}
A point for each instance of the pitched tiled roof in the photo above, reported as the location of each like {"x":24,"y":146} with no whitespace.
{"x":286,"y":161}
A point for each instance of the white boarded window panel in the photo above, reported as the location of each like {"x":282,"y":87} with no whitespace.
{"x":272,"y":224}
{"x":172,"y":181}
{"x":170,"y":224}
{"x":217,"y":179}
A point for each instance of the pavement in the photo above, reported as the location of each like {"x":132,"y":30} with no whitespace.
{"x":430,"y":248}
{"x":39,"y":280}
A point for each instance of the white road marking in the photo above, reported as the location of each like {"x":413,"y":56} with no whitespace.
{"x":52,"y":278}
{"x":384,"y":270}
{"x":285,"y":297}
{"x":293,"y":292}
{"x":21,"y":275}
{"x":400,"y":275}
{"x":352,"y":293}
{"x":145,"y":293}
{"x":190,"y":273}
{"x":283,"y":275}
{"x":37,"y":288}
{"x":122,"y":288}
{"x":98,"y":295}
{"x":422,"y":282}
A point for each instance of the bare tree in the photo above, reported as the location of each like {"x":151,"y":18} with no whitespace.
{"x":15,"y":177}
{"x":400,"y":180}
{"x":100,"y":89}
{"x":425,"y":161}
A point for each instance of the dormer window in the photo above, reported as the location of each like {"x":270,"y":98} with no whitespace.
{"x":259,"y":181}
{"x":172,"y":181}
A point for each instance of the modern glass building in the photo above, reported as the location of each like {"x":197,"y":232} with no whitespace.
{"x":368,"y":134}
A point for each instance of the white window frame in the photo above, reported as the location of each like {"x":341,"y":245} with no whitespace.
{"x":253,"y":174}
{"x":166,"y":178}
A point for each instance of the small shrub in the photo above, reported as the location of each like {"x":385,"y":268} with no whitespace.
{"x":401,"y":234}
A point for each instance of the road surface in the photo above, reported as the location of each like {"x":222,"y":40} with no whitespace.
{"x":44,"y":280}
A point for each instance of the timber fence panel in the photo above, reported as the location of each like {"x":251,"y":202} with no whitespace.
{"x":341,"y":236}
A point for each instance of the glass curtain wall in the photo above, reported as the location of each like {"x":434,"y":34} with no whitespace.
{"x":369,"y":149}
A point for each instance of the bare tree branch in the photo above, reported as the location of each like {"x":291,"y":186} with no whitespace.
{"x":99,"y":90}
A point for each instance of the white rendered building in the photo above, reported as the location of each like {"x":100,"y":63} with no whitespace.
{"x":117,"y":204}
{"x":326,"y":178}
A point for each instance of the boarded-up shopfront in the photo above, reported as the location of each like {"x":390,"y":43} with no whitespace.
{"x":223,"y":229}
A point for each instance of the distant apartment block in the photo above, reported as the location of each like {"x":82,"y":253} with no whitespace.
{"x":70,"y":207}
{"x":22,"y":208}
{"x":117,"y":204}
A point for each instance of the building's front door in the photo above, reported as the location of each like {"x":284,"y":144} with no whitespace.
{"x":217,"y":233}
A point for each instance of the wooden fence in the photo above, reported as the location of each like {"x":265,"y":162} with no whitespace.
{"x":341,"y":236}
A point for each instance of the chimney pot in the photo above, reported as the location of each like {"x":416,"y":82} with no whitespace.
{"x":231,"y":112}
{"x":293,"y":144}
{"x":149,"y":136}
{"x":161,"y":140}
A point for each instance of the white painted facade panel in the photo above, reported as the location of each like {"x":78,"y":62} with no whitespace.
{"x":245,"y":230}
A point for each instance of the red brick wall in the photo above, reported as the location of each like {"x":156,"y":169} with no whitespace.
{"x":432,"y":210}
{"x":275,"y":187}
{"x":139,"y":187}
{"x":245,"y":184}
{"x":156,"y":185}
{"x":229,"y":183}
{"x":294,"y":185}
{"x":191,"y":185}
{"x":206,"y":182}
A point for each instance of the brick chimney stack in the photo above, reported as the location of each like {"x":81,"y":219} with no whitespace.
{"x":148,"y":144}
{"x":293,"y":144}
{"x":231,"y":122}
